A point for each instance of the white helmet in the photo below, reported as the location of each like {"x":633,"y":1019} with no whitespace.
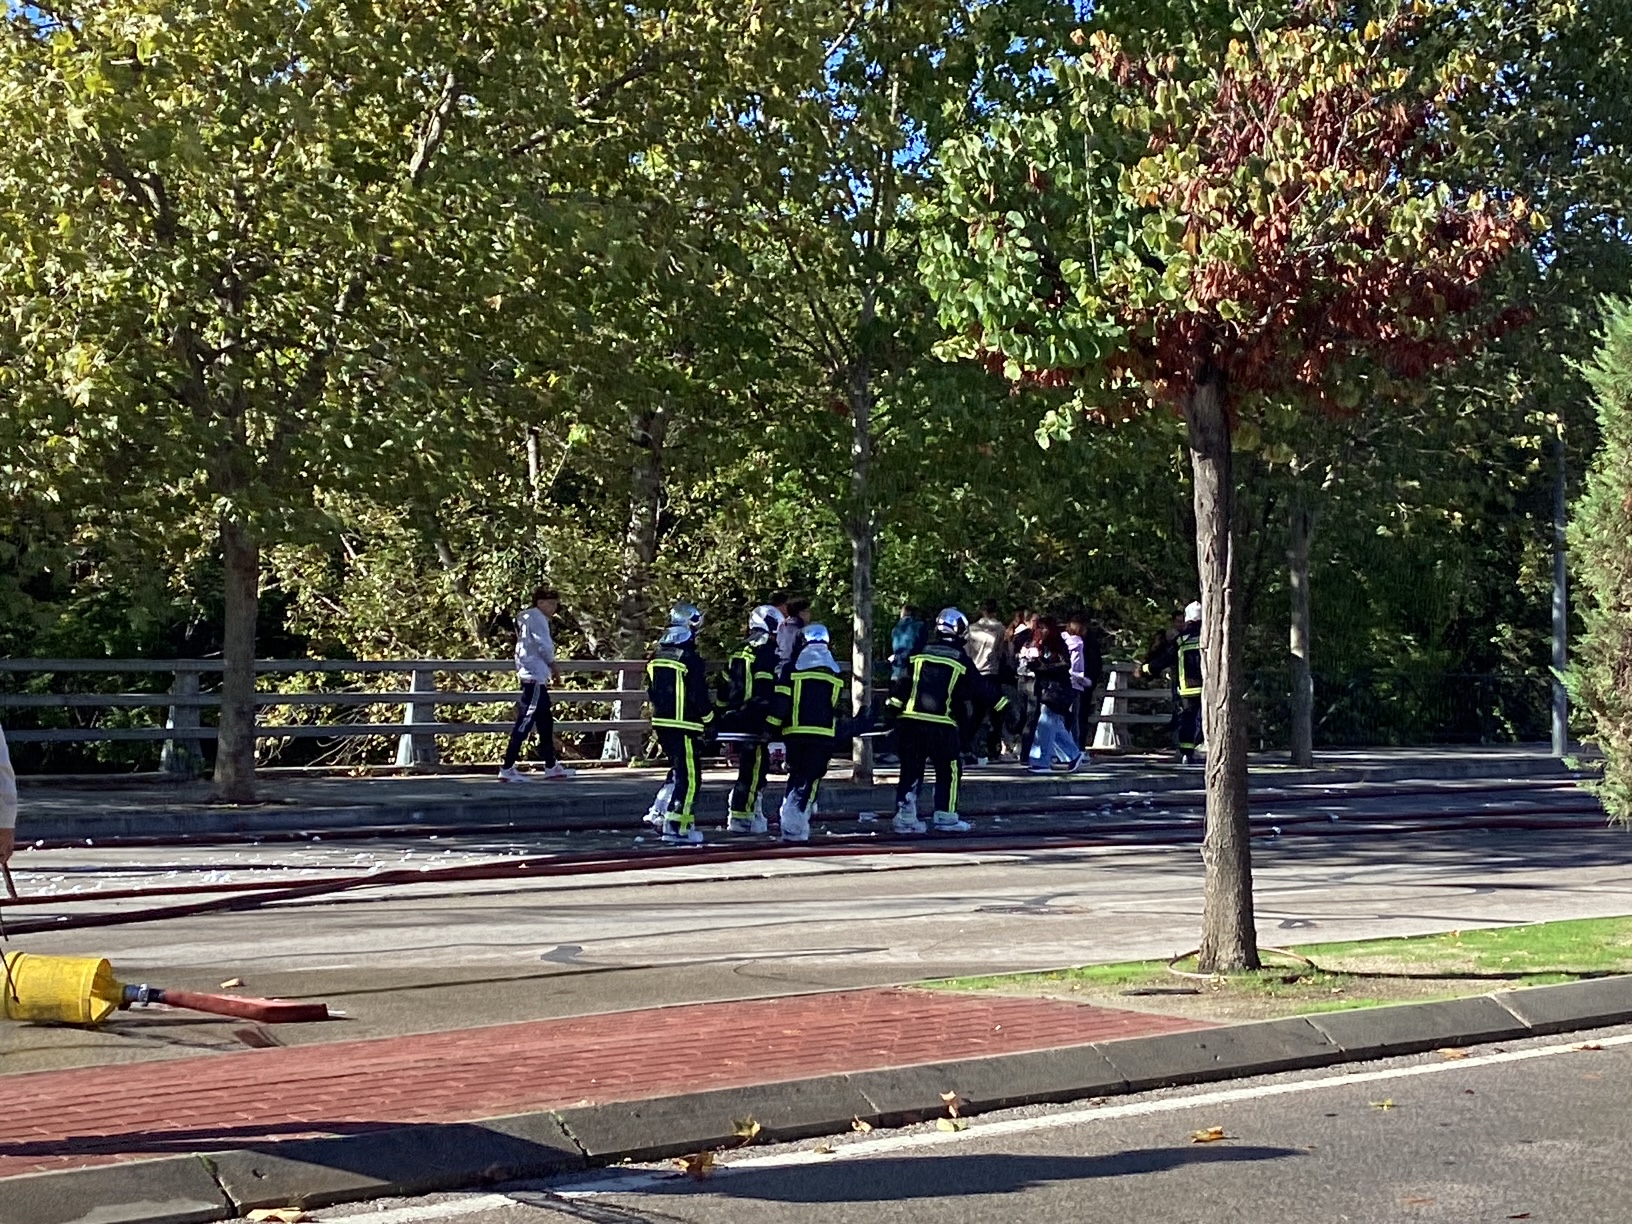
{"x":1192,"y":613}
{"x":763,"y":621}
{"x":952,"y":624}
{"x":686,"y":615}
{"x":817,"y":635}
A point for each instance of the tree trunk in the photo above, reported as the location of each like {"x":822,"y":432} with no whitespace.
{"x":861,"y":556}
{"x":646,"y":431}
{"x":535,"y":467}
{"x":647,"y":427}
{"x":461,"y":589}
{"x":235,"y":749}
{"x":1229,"y":940}
{"x":1303,"y":681}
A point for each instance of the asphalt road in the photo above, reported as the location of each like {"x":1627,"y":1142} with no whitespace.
{"x":1537,"y":1132}
{"x":427,"y":957}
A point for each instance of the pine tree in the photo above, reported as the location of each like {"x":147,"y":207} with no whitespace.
{"x":1601,"y":548}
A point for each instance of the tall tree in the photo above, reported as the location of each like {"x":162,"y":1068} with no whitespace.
{"x":1599,"y":536}
{"x":1215,"y":223}
{"x":263,"y":250}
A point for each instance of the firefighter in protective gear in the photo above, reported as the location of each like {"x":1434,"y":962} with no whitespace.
{"x":677,"y":687}
{"x":1182,"y":654}
{"x":745,"y":715}
{"x":810,"y":714}
{"x":932,"y":700}
{"x":688,"y":617}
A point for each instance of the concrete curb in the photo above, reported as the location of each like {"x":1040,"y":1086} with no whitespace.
{"x":407,"y":1160}
{"x":618,"y":803}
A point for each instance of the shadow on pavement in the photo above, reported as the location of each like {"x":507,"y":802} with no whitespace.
{"x":931,"y":1177}
{"x":169,"y":1141}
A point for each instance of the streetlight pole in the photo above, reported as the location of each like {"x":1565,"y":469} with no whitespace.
{"x":1561,"y":611}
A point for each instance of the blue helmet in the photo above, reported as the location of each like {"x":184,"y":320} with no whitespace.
{"x":951,"y":625}
{"x":686,"y":615}
{"x":763,"y":622}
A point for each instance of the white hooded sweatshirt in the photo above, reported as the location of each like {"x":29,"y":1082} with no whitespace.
{"x":535,"y":648}
{"x":8,"y":787}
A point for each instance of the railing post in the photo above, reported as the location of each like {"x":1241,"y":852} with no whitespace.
{"x":183,"y":757}
{"x":628,"y":679}
{"x":1113,"y":736}
{"x":415,"y":749}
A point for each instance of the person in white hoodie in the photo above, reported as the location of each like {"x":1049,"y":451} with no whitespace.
{"x":535,"y":667}
{"x":8,"y":802}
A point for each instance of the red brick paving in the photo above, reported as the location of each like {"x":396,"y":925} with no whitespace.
{"x":58,"y":1119}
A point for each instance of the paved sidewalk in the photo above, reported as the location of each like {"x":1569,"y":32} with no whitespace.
{"x":68,"y":1119}
{"x":122,"y":807}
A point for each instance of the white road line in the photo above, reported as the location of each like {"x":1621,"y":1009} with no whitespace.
{"x":1021,"y":1126}
{"x":429,"y":1211}
{"x":634,"y":1180}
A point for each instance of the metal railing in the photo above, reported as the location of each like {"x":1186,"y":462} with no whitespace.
{"x":186,"y":700}
{"x":1115,"y":716}
{"x":184,"y":729}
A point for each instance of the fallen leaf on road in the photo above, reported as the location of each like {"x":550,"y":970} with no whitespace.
{"x":860,"y":1127}
{"x":951,"y":1124}
{"x":1451,"y":1052}
{"x":697,"y":1166}
{"x":230,"y":983}
{"x":1523,"y":1215}
{"x":1419,"y":1200}
{"x":1388,"y":1104}
{"x":953,"y":1102}
{"x":745,"y":1129}
{"x":278,"y":1215}
{"x":1211,"y":1135}
{"x":826,"y":1149}
{"x":1587,"y":1045}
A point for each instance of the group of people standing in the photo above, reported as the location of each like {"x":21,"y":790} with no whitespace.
{"x":784,"y":687}
{"x":959,"y":694}
{"x":1046,"y":667}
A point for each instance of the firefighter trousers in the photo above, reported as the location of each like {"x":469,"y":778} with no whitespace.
{"x":935,"y":744}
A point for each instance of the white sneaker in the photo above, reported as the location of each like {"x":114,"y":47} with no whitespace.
{"x":795,"y":824}
{"x":559,"y":770}
{"x":906,"y":822}
{"x":675,"y":836}
{"x":658,"y":812}
{"x":739,"y":824}
{"x":515,"y":775}
{"x":948,"y":822}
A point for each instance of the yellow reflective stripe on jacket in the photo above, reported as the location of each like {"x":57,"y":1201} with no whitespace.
{"x":1186,"y":690}
{"x":679,"y":722}
{"x":951,"y":686}
{"x":795,"y":727}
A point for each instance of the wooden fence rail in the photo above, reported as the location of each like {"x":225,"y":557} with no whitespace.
{"x":417,"y":732}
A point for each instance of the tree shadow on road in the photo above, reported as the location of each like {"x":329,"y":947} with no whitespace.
{"x":934,"y":1177}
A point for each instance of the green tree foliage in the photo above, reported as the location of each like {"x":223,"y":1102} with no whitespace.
{"x":1601,"y":547}
{"x":1223,"y":225}
{"x":612,"y":336}
{"x":257,"y":252}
